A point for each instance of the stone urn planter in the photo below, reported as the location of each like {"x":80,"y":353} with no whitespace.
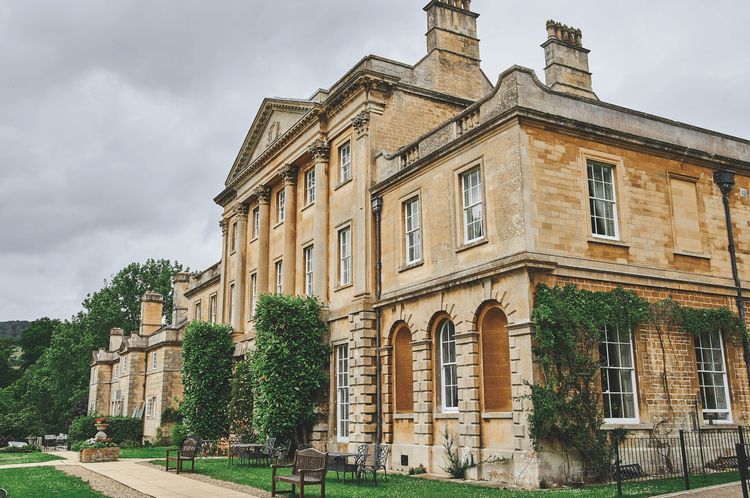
{"x":90,"y":455}
{"x":101,"y":427}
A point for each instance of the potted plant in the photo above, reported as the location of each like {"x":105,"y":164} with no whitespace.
{"x":101,"y":424}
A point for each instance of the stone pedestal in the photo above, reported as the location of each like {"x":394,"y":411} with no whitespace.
{"x":91,"y":455}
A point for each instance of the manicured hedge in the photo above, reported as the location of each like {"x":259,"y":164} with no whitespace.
{"x":118,"y":428}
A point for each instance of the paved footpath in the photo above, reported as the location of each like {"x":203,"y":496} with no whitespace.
{"x":731,"y":490}
{"x":153,"y":482}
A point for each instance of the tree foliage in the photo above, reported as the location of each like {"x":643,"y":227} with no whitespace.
{"x":288,"y":365}
{"x":241,"y":407}
{"x":35,"y":339}
{"x":206,"y":373}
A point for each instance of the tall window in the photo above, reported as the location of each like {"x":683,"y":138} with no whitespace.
{"x":309,"y":270}
{"x":213,"y":308}
{"x":404,"y":371}
{"x":345,"y":256}
{"x":234,"y":236}
{"x":254,"y":298}
{"x":153,"y":361}
{"x":310,"y":186}
{"x":602,"y":200}
{"x":413,"y":233}
{"x":149,"y":406}
{"x":498,"y":391}
{"x":448,"y":366}
{"x":280,"y":205}
{"x":279,"y":276}
{"x":471,"y":184}
{"x":342,"y":392}
{"x":618,"y":376}
{"x":345,"y":160}
{"x":117,"y":372}
{"x":198,"y":311}
{"x":231,"y":303}
{"x":712,"y":377}
{"x":124,"y":365}
{"x":256,"y":222}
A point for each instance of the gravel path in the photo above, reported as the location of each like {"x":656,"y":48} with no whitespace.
{"x":108,"y":486}
{"x":222,"y":484}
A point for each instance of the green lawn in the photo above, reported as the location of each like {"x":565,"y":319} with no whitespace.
{"x":406,"y":486}
{"x":145,"y":452}
{"x":43,"y":482}
{"x":14,"y":458}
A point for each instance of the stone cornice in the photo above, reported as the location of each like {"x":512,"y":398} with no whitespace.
{"x":225,"y":197}
{"x":198,"y":288}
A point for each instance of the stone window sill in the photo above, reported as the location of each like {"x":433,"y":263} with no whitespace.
{"x":348,"y":180}
{"x":307,"y":206}
{"x":403,"y":416}
{"x":497,"y":415}
{"x":693,"y":255}
{"x":445,"y":416}
{"x":609,"y":242}
{"x":471,"y":245}
{"x":345,"y":286}
{"x":415,"y":264}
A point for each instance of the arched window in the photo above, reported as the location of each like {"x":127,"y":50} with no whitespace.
{"x":404,"y":371}
{"x":498,"y":394}
{"x":448,"y":366}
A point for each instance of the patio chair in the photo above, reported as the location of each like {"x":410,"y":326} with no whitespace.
{"x":309,"y":469}
{"x":282,"y":452}
{"x":378,"y":461}
{"x":3,"y":493}
{"x":362,"y":452}
{"x":266,"y":453}
{"x":234,"y":452}
{"x":185,"y":454}
{"x":50,"y":440}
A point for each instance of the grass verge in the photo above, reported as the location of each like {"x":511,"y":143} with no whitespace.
{"x":17,"y":458}
{"x":44,"y":481}
{"x":146,"y":452}
{"x":406,"y":486}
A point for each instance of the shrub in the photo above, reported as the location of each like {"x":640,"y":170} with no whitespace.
{"x":179,"y":434}
{"x":171,"y":415}
{"x":31,"y":448}
{"x":118,"y":428}
{"x":81,"y":428}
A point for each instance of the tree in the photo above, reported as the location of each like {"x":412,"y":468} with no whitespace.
{"x":35,"y":339}
{"x":118,"y":303}
{"x":8,"y":374}
{"x":206,"y":373}
{"x":241,"y":406}
{"x":288,"y":365}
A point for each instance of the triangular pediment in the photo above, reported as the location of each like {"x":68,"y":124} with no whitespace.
{"x":275,"y":117}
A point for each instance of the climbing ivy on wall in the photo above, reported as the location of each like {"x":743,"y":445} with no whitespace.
{"x":569,"y":324}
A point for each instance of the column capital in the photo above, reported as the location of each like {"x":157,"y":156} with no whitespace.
{"x":263,"y":194}
{"x":320,"y":150}
{"x":241,"y":210}
{"x":361,"y":122}
{"x":289,"y":174}
{"x":224,"y":224}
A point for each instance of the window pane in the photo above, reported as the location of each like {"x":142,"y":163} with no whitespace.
{"x":617,"y":375}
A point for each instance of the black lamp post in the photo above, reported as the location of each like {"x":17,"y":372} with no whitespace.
{"x":725,"y":180}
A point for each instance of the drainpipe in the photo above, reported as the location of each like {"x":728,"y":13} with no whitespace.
{"x":377,"y":206}
{"x":725,"y":180}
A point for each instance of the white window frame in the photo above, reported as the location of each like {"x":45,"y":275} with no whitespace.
{"x":256,"y":222}
{"x":117,"y":372}
{"x":448,"y":366}
{"x":413,"y":230}
{"x":345,"y":162}
{"x":707,"y":368}
{"x":231,"y":303}
{"x":197,"y":311}
{"x":234,"y":237}
{"x":602,"y":195}
{"x":213,"y":308}
{"x":254,"y":297}
{"x":310,"y":186}
{"x":280,"y":202}
{"x":342,"y":393}
{"x":472,"y":200}
{"x":279,"y":277}
{"x":150,"y":401}
{"x":124,"y":364}
{"x":345,"y":256}
{"x":309,"y":255}
{"x":153,"y":361}
{"x":625,"y":373}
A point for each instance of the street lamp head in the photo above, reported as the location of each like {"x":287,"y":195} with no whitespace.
{"x":725,"y":180}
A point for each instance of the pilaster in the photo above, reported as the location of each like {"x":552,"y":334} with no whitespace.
{"x":263,"y":194}
{"x":224,"y":224}
{"x":320,"y":150}
{"x":520,"y":338}
{"x":469,"y":408}
{"x":240,"y":271}
{"x":362,"y":378}
{"x":289,"y":270}
{"x":423,"y":392}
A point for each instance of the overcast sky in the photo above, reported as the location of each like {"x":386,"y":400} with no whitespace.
{"x":120,"y":119}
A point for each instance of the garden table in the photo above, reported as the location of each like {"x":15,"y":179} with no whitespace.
{"x":245,"y":446}
{"x":339,"y":462}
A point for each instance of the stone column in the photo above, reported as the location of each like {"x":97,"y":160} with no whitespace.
{"x":389,"y":402}
{"x":423,"y":392}
{"x":361,"y":243}
{"x":238,"y":300}
{"x":469,"y":423}
{"x":263,"y":195}
{"x":320,"y":150}
{"x":289,"y":270}
{"x":224,"y":224}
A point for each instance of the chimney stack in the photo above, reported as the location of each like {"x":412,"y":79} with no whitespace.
{"x":179,"y":301}
{"x":452,"y":27}
{"x":567,"y":61}
{"x":151,"y":308}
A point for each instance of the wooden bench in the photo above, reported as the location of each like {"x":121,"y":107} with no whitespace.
{"x":185,"y":454}
{"x":309,"y":469}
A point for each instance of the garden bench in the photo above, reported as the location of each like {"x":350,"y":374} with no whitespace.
{"x":308,"y":469}
{"x":631,"y":471}
{"x":185,"y":454}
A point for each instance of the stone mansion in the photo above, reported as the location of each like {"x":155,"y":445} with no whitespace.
{"x":423,"y":204}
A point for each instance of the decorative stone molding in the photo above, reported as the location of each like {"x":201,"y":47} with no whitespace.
{"x":289,"y":174}
{"x":320,"y":150}
{"x":225,"y":197}
{"x":361,"y":122}
{"x":564,"y":33}
{"x":241,"y":210}
{"x":224,"y":224}
{"x":263,"y":194}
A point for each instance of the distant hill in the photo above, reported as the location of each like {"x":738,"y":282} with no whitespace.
{"x":13,"y":328}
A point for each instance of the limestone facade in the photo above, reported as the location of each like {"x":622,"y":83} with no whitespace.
{"x":480,"y":193}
